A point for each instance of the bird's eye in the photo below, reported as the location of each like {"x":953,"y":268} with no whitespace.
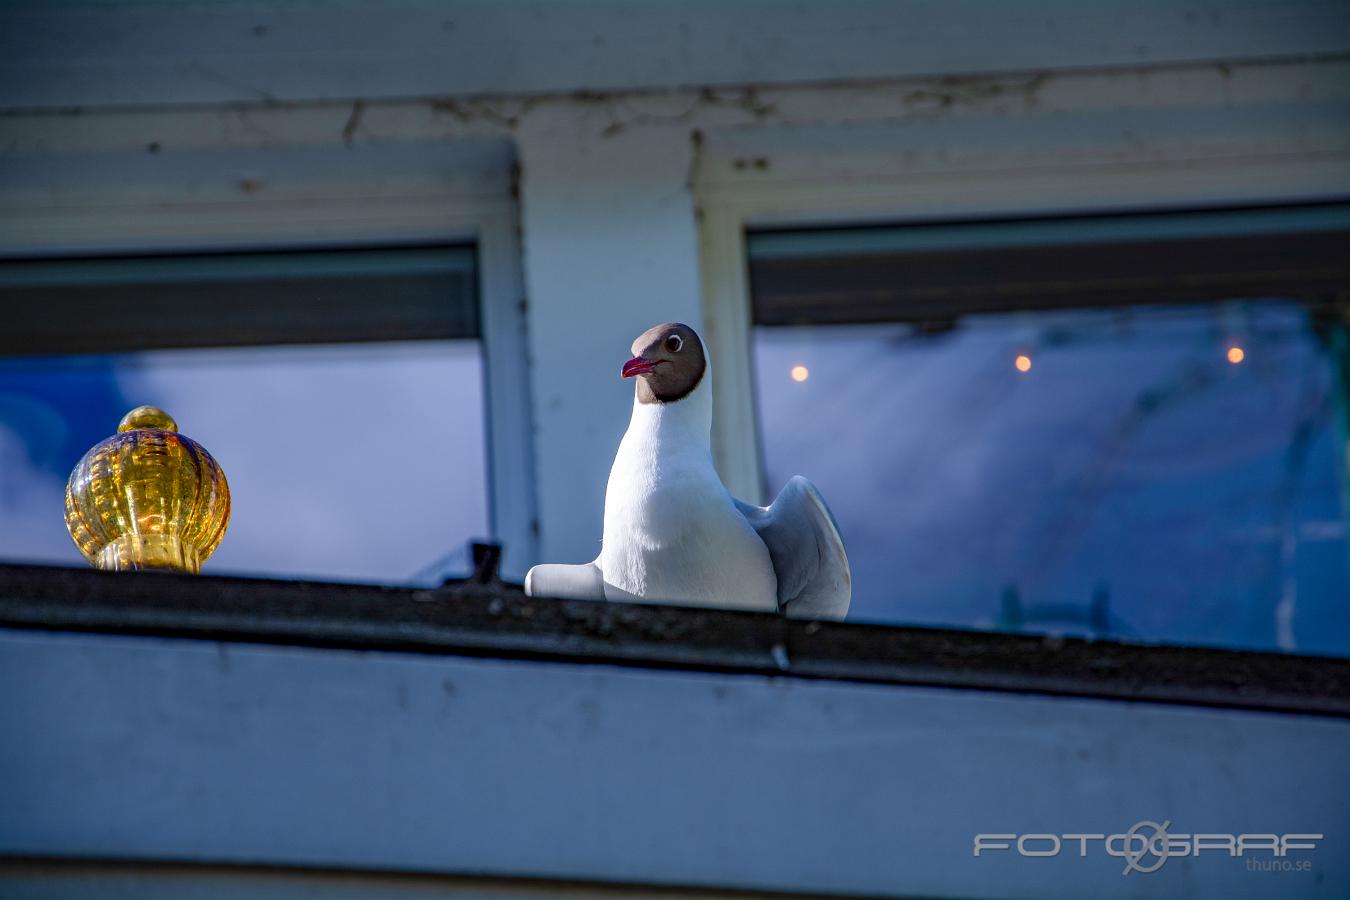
{"x":674,"y":343}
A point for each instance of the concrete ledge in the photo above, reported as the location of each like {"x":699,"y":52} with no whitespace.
{"x":498,"y":621}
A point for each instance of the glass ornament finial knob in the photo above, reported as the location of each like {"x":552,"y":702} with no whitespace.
{"x":147,"y":498}
{"x":147,"y":417}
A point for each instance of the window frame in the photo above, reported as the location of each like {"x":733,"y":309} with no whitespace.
{"x":916,"y":173}
{"x":476,"y":207}
{"x":862,"y":187}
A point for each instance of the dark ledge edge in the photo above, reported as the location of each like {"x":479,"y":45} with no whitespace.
{"x":497,"y":620}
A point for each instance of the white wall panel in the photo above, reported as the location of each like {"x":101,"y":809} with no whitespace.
{"x":149,"y":748}
{"x":610,"y":249}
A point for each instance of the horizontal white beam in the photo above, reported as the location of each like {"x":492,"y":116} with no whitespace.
{"x":94,"y":53}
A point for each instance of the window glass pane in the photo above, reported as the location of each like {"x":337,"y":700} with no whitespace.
{"x":1163,"y":472}
{"x":341,"y":390}
{"x":352,"y":462}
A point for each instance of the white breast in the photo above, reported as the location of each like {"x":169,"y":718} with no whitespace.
{"x":672,"y":532}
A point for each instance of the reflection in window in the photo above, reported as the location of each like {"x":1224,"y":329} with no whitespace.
{"x":346,"y":461}
{"x":356,"y":462}
{"x":1130,"y":424}
{"x":1154,"y":472}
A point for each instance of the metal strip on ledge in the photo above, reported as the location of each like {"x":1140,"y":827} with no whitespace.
{"x":496,"y":620}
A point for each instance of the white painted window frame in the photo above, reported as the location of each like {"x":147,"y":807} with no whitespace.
{"x":872,"y":194}
{"x":488,"y":219}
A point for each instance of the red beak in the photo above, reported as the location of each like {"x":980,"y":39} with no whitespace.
{"x":638,"y":365}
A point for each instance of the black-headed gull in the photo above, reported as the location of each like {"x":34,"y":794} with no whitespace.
{"x":672,"y":531}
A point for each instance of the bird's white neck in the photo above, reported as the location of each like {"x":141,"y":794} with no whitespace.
{"x":686,"y":423}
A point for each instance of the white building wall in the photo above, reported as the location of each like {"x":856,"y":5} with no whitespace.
{"x":188,"y":750}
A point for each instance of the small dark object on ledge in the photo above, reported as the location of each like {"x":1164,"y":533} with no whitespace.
{"x":487,"y":561}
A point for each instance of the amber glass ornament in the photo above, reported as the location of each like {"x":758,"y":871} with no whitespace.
{"x":147,"y":498}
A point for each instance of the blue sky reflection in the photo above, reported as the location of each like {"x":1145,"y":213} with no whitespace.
{"x":1132,"y":466}
{"x":357,"y":462}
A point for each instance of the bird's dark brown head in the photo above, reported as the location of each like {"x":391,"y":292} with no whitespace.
{"x":668,"y":363}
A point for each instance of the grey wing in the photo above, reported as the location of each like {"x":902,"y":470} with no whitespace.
{"x":808,"y":554}
{"x":564,"y":582}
